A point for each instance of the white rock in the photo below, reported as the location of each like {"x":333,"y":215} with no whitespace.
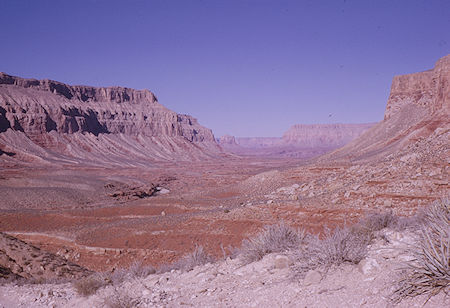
{"x":281,"y":261}
{"x":368,"y":266}
{"x":164,"y":191}
{"x":146,"y":292}
{"x":312,"y":277}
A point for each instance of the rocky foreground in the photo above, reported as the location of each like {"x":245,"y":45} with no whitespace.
{"x":270,"y":282}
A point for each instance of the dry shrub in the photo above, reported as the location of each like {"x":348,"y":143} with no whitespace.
{"x":120,"y":299}
{"x":136,"y":270}
{"x":187,"y":262}
{"x":429,"y":271}
{"x":89,"y":285}
{"x":193,"y":259}
{"x":274,"y":238}
{"x":342,"y":245}
{"x":378,"y":221}
{"x":166,"y":267}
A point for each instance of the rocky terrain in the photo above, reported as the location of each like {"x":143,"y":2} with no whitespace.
{"x":49,"y":121}
{"x":21,"y":260}
{"x":301,"y":140}
{"x":230,"y":283}
{"x":104,"y":218}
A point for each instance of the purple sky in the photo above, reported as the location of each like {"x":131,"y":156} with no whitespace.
{"x":244,"y":67}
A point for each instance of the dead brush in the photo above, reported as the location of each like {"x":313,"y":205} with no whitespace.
{"x":89,"y":285}
{"x":378,"y":221}
{"x":342,"y":245}
{"x":136,"y":270}
{"x":429,"y":271}
{"x":193,"y":259}
{"x":120,"y":299}
{"x":274,"y":238}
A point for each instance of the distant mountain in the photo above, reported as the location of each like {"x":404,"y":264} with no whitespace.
{"x":300,"y":141}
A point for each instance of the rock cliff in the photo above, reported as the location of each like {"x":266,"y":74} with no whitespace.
{"x":418,"y":106}
{"x":300,"y":141}
{"x":429,"y":90}
{"x":67,"y":119}
{"x":324,"y":135}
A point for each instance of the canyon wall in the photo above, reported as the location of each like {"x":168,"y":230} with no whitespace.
{"x":324,"y":135}
{"x":428,"y":90}
{"x":300,"y":141}
{"x":54,"y":115}
{"x":418,"y":108}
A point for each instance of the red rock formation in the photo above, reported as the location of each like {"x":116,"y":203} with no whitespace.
{"x":227,"y":140}
{"x":300,"y":141}
{"x":324,"y":135}
{"x":66,"y":119}
{"x":418,"y":105}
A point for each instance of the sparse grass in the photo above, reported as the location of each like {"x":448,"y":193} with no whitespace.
{"x":120,"y":299}
{"x":378,"y":221}
{"x":187,"y":262}
{"x":274,"y":238}
{"x":429,"y":271}
{"x":342,"y":245}
{"x":89,"y":285}
{"x":193,"y":259}
{"x":136,"y":270}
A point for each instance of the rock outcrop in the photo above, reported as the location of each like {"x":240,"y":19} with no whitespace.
{"x":45,"y":118}
{"x":418,"y":106}
{"x":429,"y":90}
{"x":19,"y":259}
{"x":227,"y":140}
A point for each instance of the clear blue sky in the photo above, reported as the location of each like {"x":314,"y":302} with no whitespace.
{"x":244,"y":67}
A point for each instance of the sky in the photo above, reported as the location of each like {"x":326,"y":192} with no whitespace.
{"x":241,"y":67}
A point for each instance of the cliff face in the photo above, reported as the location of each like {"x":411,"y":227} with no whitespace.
{"x":418,"y":105}
{"x":43,"y":109}
{"x":300,"y":141}
{"x":324,"y":135}
{"x":429,"y":90}
{"x":39,"y":106}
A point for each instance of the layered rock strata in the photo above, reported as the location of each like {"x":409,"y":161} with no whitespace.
{"x":300,"y":141}
{"x":324,"y":135}
{"x":44,"y":118}
{"x":418,"y":106}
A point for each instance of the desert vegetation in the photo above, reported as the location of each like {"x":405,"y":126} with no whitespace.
{"x":424,"y":271}
{"x":274,"y":238}
{"x":429,"y":271}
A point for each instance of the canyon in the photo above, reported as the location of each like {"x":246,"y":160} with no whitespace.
{"x":102,"y":177}
{"x":300,"y":141}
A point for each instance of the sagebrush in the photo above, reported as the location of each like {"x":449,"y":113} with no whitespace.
{"x":120,"y":299}
{"x":274,"y":238}
{"x":341,"y":245}
{"x":429,"y":271}
{"x":89,"y":285}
